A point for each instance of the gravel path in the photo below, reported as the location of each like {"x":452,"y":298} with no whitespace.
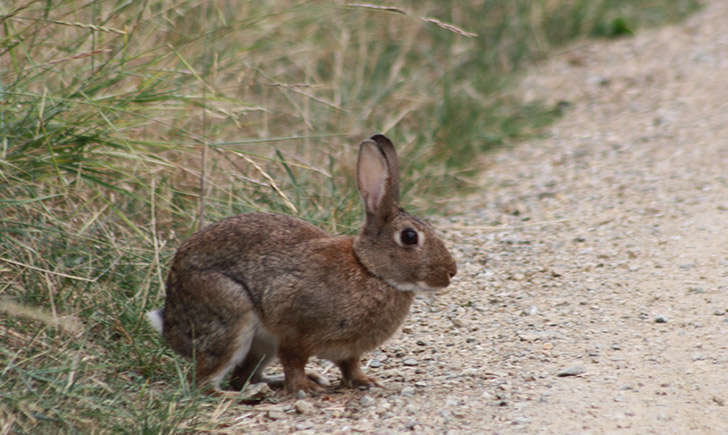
{"x":592,"y":293}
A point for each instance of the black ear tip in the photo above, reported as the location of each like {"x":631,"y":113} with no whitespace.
{"x":381,"y":139}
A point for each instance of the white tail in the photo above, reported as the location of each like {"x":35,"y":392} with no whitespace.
{"x":155,"y":319}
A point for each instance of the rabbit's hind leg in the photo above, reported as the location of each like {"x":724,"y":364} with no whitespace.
{"x":250,"y":370}
{"x":211,"y":367}
{"x":209,"y":318}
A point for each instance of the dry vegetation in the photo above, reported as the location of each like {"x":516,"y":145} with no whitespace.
{"x":107,"y":109}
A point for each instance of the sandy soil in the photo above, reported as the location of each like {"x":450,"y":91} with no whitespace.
{"x":592,"y":294}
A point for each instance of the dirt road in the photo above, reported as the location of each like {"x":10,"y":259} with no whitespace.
{"x":592,"y":293}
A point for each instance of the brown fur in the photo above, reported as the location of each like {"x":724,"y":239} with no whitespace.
{"x":259,"y":285}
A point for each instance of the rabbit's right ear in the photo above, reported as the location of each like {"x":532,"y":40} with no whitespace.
{"x":375,"y":183}
{"x":387,"y":148}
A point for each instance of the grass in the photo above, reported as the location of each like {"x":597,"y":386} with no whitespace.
{"x":106,"y":109}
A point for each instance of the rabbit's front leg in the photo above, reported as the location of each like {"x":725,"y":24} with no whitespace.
{"x":294,"y":370}
{"x":352,"y":376}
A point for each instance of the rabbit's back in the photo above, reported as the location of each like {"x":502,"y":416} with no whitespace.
{"x":242,"y":238}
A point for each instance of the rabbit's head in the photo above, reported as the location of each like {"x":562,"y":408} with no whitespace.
{"x":395,"y":246}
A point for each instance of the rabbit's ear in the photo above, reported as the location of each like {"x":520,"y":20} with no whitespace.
{"x":392,"y":163}
{"x":375,"y":184}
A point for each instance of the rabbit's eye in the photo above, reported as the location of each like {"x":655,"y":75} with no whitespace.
{"x":408,"y":236}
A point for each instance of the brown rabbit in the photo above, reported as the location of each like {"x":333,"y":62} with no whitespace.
{"x":255,"y":286}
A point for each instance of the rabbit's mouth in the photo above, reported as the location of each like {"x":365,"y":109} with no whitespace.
{"x":419,"y":286}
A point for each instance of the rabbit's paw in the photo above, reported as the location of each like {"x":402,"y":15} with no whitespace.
{"x":362,"y":381}
{"x":353,"y":377}
{"x":279,"y":381}
{"x":303,"y":383}
{"x":318,"y":378}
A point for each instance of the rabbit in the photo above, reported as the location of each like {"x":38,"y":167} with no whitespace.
{"x":255,"y":286}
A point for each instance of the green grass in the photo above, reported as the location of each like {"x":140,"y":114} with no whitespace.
{"x":106,"y":107}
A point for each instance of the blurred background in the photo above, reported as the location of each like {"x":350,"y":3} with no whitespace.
{"x":111,"y":113}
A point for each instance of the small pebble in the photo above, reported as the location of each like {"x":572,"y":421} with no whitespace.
{"x":411,"y":362}
{"x":411,"y":425}
{"x":457,"y":322}
{"x":375,"y":363}
{"x":408,"y":391}
{"x":574,"y":370}
{"x":303,"y":407}
{"x":660,"y":319}
{"x":256,"y":392}
{"x":276,"y":415}
{"x":367,"y":400}
{"x":520,"y":420}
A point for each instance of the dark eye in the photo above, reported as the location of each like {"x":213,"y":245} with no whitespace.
{"x":408,"y":236}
